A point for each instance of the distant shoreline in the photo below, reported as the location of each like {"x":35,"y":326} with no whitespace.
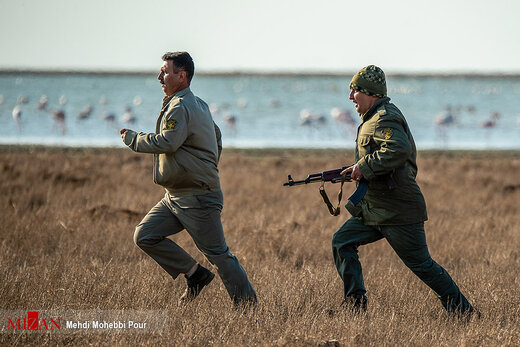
{"x":269,"y":152}
{"x":262,"y":73}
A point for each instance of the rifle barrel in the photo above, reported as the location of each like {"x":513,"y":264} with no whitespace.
{"x":305,"y":181}
{"x":317,"y":178}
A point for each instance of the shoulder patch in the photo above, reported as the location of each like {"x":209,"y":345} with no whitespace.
{"x":387,"y":133}
{"x":170,"y":124}
{"x":381,"y":112}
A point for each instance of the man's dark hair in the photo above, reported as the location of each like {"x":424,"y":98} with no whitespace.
{"x":182,"y":61}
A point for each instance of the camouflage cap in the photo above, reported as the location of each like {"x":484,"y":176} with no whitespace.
{"x":370,"y":80}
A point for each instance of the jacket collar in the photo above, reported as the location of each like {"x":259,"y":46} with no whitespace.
{"x":366,"y":116}
{"x":180,"y":93}
{"x":166,"y":100}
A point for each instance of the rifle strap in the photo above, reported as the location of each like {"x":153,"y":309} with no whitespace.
{"x":333,"y":210}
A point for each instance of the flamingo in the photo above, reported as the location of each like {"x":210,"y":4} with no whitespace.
{"x":231,"y":121}
{"x":85,"y":112}
{"x":42,"y":104}
{"x":308,"y":118}
{"x":59,"y":120}
{"x":490,"y":123}
{"x":17,"y":116}
{"x":128,"y":117}
{"x":342,"y":116}
{"x":445,"y":118}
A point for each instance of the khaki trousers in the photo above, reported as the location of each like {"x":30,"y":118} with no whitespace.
{"x":200,"y":216}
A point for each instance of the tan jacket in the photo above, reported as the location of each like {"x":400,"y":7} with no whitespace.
{"x":186,"y":146}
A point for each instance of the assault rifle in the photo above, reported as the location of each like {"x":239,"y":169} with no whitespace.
{"x":333,"y":176}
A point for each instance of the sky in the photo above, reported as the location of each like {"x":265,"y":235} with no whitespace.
{"x":401,"y":36}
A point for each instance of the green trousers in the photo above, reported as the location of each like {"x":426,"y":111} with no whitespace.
{"x":409,"y":242}
{"x":200,"y":216}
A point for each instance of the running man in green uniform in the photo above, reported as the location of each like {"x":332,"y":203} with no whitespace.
{"x":393,"y":207}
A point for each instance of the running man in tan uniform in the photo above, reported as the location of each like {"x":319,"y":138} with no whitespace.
{"x":186,"y":147}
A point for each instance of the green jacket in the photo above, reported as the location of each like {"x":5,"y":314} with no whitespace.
{"x":186,"y":146}
{"x":386,"y":156}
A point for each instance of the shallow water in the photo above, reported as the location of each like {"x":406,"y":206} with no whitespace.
{"x":267,"y":109}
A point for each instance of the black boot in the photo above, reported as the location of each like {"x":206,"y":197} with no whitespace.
{"x":357,"y":303}
{"x":354,"y":303}
{"x":201,"y":278}
{"x":467,"y":315}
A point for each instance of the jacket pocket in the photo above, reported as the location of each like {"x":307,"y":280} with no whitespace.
{"x":354,"y":210}
{"x":376,"y":215}
{"x":212,"y":200}
{"x":169,"y":172}
{"x":363,"y":145}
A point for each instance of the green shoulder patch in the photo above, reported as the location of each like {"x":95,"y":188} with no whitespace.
{"x":387,"y":133}
{"x":170,"y":124}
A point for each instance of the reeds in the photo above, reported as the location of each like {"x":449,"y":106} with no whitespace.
{"x":68,"y":217}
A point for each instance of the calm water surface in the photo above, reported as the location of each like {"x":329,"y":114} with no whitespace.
{"x":288,"y":111}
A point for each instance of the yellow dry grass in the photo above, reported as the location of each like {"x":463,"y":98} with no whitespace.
{"x":66,"y":232}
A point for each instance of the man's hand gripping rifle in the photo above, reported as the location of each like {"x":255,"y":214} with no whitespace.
{"x":333,"y":176}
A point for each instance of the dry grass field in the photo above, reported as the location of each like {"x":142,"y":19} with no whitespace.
{"x":68,"y":216}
